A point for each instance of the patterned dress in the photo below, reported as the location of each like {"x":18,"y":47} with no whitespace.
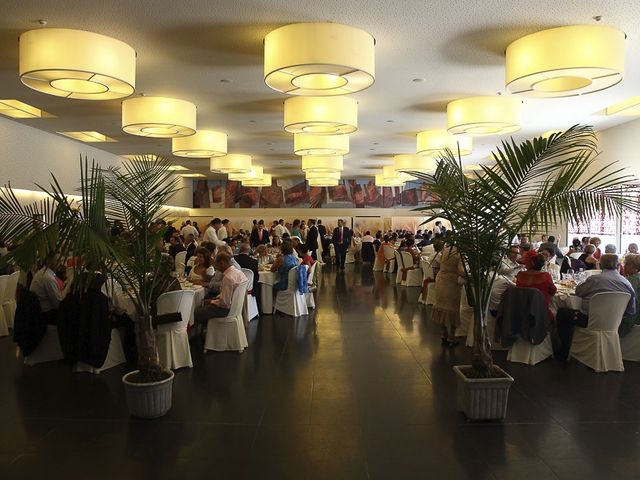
{"x":446,"y":309}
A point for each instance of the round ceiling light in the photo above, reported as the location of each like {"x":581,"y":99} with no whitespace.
{"x":323,"y":182}
{"x":264,"y":181}
{"x":158,"y":117}
{"x":491,"y":115}
{"x":255,"y":172}
{"x":435,"y":142}
{"x":232,"y":163}
{"x":382,"y":181}
{"x":327,"y":177}
{"x":565,"y":61}
{"x":391,"y":173}
{"x":321,"y":115}
{"x":77,"y":64}
{"x":413,"y":163}
{"x":202,"y":144}
{"x":319,"y":59}
{"x":309,"y":144}
{"x":322,"y":163}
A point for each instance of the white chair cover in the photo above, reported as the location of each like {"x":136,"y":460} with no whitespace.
{"x":180,"y":263}
{"x":466,"y":315}
{"x":598,"y":344}
{"x":378,"y":266}
{"x":575,"y":255}
{"x":9,"y":298}
{"x":630,"y":345}
{"x":400,"y":264}
{"x":291,"y":301}
{"x":523,"y":352}
{"x":414,"y":276}
{"x":390,"y":259}
{"x":252,"y":303}
{"x":115,"y":356}
{"x":4,"y":327}
{"x":48,"y":350}
{"x":309,"y":298}
{"x":428,"y":249}
{"x":491,"y":328}
{"x":228,"y":333}
{"x":172,"y":339}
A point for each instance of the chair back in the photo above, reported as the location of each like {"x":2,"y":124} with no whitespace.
{"x":428,"y":249}
{"x":4,"y":281}
{"x":180,"y":261}
{"x":575,"y":255}
{"x":292,"y":280}
{"x":606,"y":310}
{"x":398,"y":258}
{"x":427,"y":269}
{"x":407,"y":259}
{"x":180,"y":301}
{"x":238,"y":299}
{"x":312,"y":274}
{"x":11,"y":288}
{"x":368,"y":252}
{"x":389,"y":252}
{"x":249,"y":274}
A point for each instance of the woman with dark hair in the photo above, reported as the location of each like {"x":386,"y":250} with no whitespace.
{"x":295,"y":229}
{"x":202,"y":269}
{"x":535,"y":278}
{"x":284,"y":262}
{"x":589,"y":258}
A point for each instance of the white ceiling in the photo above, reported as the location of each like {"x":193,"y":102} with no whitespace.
{"x":187,"y":48}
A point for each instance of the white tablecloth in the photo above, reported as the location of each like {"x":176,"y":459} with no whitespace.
{"x":266,"y":280}
{"x":564,"y":298}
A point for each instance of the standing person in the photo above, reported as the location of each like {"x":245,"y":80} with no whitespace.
{"x":46,"y":288}
{"x":446,"y":308}
{"x":295,"y":229}
{"x":211,"y":234}
{"x":553,"y":246}
{"x":259,"y":236}
{"x":312,"y":239}
{"x":189,"y":229}
{"x":168,"y":233}
{"x":436,"y":228}
{"x":245,"y":260}
{"x":341,"y":240}
{"x":304,"y":230}
{"x":281,"y":229}
{"x":222,"y":231}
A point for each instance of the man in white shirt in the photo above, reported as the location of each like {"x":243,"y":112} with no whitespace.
{"x":281,"y":229}
{"x":222,"y":231}
{"x":367,"y":237}
{"x":211,"y":234}
{"x":219,"y":305}
{"x":436,"y":228}
{"x":510,"y":266}
{"x":46,"y":288}
{"x":189,"y":229}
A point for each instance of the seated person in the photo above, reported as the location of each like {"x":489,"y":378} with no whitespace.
{"x":46,"y":288}
{"x":536,"y":278}
{"x":218,"y":307}
{"x":296,"y":242}
{"x":306,"y":258}
{"x":202,"y":270}
{"x":284,"y":262}
{"x":245,"y":260}
{"x":576,"y":246}
{"x":588,"y":257}
{"x":509,"y":266}
{"x":632,"y":271}
{"x":262,"y":254}
{"x":527,"y":254}
{"x":500,"y":285}
{"x":190,"y":246}
{"x":176,"y":246}
{"x":215,"y":282}
{"x":367,"y":237}
{"x":410,"y":247}
{"x":595,"y":241}
{"x":550,"y":265}
{"x":609,"y":280}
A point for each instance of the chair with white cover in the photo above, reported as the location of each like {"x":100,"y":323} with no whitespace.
{"x":413,"y":277}
{"x":630,"y":345}
{"x":115,"y":356}
{"x":428,"y":249}
{"x":8,"y":299}
{"x":180,"y":262}
{"x":389,"y":259}
{"x":4,"y":327}
{"x":291,"y":301}
{"x":48,"y":350}
{"x":172,"y":338}
{"x":598,"y":345}
{"x":400,"y":265}
{"x":576,"y":255}
{"x":311,"y":283}
{"x":252,"y":303}
{"x":466,"y":315}
{"x":228,"y":333}
{"x":523,"y":352}
{"x":378,"y":265}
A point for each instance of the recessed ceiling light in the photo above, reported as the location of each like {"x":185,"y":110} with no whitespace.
{"x":225,"y":80}
{"x":252,"y":121}
{"x":18,"y":109}
{"x":418,"y":80}
{"x":88,"y":136}
{"x":629,"y":107}
{"x":376,"y":143}
{"x":390,"y":121}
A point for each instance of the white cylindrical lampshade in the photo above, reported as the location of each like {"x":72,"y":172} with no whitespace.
{"x":255,"y":172}
{"x":202,"y":144}
{"x":435,"y":142}
{"x":321,"y":176}
{"x":413,"y":163}
{"x":158,"y":117}
{"x":381,"y":181}
{"x":322,"y":163}
{"x":264,"y":181}
{"x":309,"y":144}
{"x":491,"y":115}
{"x":321,"y":115}
{"x":232,"y":163}
{"x":390,"y":172}
{"x":319,"y":59}
{"x":77,"y":64}
{"x":323,"y":182}
{"x":565,"y":61}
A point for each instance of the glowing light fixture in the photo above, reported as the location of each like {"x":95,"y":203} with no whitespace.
{"x":391,"y":173}
{"x":322,"y":163}
{"x":17,"y":109}
{"x":77,"y":64}
{"x":264,"y":181}
{"x":435,"y":142}
{"x":193,"y":175}
{"x":630,"y":107}
{"x":319,"y":59}
{"x":323,"y":182}
{"x":321,"y":115}
{"x":202,"y":144}
{"x":413,"y":163}
{"x":255,"y":172}
{"x":495,"y":115}
{"x":232,"y":163}
{"x":322,"y":179}
{"x":158,"y":117}
{"x":147,"y":157}
{"x":565,"y":61}
{"x":548,"y":133}
{"x":472,"y":167}
{"x":309,"y":144}
{"x":88,"y":136}
{"x":177,"y":168}
{"x":382,"y":181}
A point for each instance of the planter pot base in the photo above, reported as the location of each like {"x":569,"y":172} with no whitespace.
{"x":148,"y":400}
{"x":483,"y":398}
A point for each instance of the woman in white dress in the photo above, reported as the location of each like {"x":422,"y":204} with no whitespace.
{"x":202,"y":269}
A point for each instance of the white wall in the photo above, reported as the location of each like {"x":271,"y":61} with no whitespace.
{"x":621,"y":144}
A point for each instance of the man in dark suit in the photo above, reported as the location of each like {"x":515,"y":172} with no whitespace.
{"x":322,"y":231}
{"x":259,"y":236}
{"x":312,"y":238}
{"x":341,"y":240}
{"x":245,"y":260}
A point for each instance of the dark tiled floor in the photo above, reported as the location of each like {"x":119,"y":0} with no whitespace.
{"x":361,"y":389}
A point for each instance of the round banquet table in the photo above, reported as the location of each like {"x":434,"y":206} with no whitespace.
{"x":266,"y":280}
{"x":564,"y":298}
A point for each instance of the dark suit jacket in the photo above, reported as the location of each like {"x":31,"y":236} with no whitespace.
{"x":322,"y":230}
{"x":245,"y":261}
{"x":191,"y":251}
{"x":312,"y":238}
{"x":346,"y":237}
{"x":255,"y":241}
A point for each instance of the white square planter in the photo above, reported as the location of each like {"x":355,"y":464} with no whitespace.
{"x":483,"y":398}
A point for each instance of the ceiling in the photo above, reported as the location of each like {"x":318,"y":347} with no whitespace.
{"x":210,"y":53}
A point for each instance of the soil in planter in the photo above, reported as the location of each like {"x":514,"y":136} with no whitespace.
{"x":469,"y":372}
{"x":144,"y":377}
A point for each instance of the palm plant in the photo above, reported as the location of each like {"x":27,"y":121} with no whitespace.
{"x":538,"y":184}
{"x":135,"y":195}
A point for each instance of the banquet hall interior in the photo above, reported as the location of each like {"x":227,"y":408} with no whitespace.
{"x":353,"y":240}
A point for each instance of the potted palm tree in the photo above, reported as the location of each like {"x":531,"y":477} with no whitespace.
{"x":135,"y":194}
{"x":532,"y":186}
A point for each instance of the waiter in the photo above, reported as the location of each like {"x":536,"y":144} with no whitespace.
{"x":341,"y":240}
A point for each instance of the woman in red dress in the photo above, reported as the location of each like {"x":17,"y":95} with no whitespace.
{"x":534,"y":278}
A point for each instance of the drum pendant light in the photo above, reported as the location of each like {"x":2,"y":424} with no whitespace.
{"x":309,"y":144}
{"x":322,"y":163}
{"x":319,"y":59}
{"x":323,"y":182}
{"x":264,"y":181}
{"x":382,"y":181}
{"x":413,"y":163}
{"x":435,"y":142}
{"x":255,"y":172}
{"x":478,"y":116}
{"x":321,"y":115}
{"x":77,"y":64}
{"x":318,"y":176}
{"x":565,"y":61}
{"x":232,"y":163}
{"x":158,"y":117}
{"x":202,"y":144}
